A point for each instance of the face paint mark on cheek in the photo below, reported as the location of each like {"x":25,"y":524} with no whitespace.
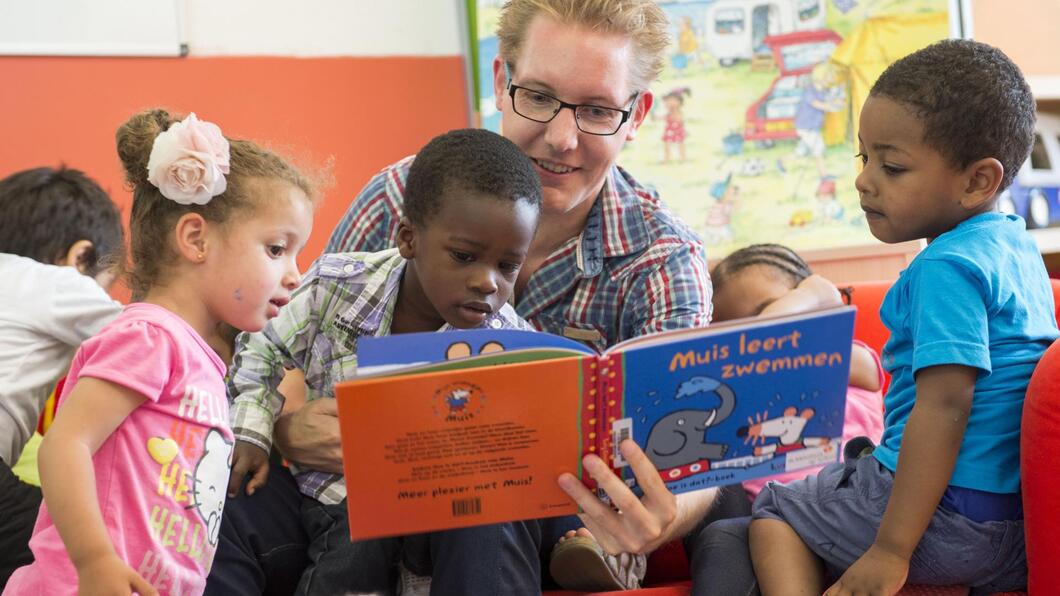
{"x":239,"y":294}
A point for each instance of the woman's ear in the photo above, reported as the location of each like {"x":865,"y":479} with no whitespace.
{"x":406,"y":238}
{"x":80,"y":255}
{"x":190,"y":235}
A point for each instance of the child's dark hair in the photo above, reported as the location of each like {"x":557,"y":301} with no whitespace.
{"x":780,"y":258}
{"x":153,"y":215}
{"x":468,"y":160}
{"x":971,"y":99}
{"x":679,"y":94}
{"x":47,"y":210}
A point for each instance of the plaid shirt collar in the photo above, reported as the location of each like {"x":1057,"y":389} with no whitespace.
{"x":615,"y":226}
{"x":369,"y":308}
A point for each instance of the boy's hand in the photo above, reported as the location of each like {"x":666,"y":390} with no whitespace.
{"x":248,"y":458}
{"x":876,"y":573}
{"x":110,"y":576}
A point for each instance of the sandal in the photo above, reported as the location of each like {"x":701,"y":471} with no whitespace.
{"x":580,"y":563}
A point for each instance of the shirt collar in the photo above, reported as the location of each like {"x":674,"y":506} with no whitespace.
{"x":383,"y":272}
{"x":615,"y":226}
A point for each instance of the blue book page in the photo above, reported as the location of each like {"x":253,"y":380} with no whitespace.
{"x":739,"y":402}
{"x":378,"y":354}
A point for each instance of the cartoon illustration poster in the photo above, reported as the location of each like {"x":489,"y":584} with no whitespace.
{"x":752,"y":135}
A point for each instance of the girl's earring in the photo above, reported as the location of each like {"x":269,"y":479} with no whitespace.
{"x":202,"y":256}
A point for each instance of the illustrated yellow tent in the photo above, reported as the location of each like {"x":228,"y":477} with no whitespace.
{"x":868,"y":50}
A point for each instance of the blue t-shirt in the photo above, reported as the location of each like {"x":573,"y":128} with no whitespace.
{"x":977,"y":296}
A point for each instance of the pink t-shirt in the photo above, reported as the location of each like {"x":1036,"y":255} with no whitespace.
{"x":863,"y":417}
{"x":161,"y":476}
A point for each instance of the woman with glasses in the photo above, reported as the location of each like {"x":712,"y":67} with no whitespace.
{"x":609,"y":262}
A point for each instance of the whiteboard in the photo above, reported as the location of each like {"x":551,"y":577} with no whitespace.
{"x":91,"y":28}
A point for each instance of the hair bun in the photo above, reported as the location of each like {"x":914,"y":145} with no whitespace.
{"x":136,"y":137}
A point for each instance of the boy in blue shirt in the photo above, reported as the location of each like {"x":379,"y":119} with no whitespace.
{"x":942,"y":134}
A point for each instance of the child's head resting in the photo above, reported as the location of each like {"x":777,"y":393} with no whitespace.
{"x":750,"y":279}
{"x":472,"y":201}
{"x":944,"y":131}
{"x":61,"y":217}
{"x":223,"y":218}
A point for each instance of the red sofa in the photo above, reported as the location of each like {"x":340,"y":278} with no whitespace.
{"x":668,"y":567}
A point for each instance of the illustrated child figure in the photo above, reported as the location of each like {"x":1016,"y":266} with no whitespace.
{"x":674,"y":133}
{"x":770,"y":280}
{"x":943,"y":132}
{"x":472,"y":200}
{"x":134,"y":467}
{"x":60,"y":242}
{"x":821,"y":95}
{"x":719,"y":215}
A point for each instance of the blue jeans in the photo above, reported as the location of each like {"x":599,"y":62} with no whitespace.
{"x":489,"y":560}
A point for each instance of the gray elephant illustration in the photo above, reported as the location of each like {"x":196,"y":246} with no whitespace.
{"x":679,"y":438}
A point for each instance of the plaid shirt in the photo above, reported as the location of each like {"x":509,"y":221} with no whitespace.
{"x":343,"y":297}
{"x":635,"y":268}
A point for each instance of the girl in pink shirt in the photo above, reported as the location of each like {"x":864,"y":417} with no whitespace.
{"x":135,"y":467}
{"x":770,"y":279}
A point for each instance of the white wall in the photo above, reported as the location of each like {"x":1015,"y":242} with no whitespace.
{"x":324,"y":27}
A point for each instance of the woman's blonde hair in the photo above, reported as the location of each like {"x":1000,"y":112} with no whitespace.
{"x":642,"y":20}
{"x":153,"y":215}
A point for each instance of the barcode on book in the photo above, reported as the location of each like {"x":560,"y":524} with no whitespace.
{"x":462,"y":507}
{"x":620,"y":431}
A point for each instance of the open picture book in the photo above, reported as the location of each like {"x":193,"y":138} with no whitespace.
{"x":445,"y":430}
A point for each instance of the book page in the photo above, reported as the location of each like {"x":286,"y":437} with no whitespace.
{"x":747,"y":400}
{"x":376,"y":354}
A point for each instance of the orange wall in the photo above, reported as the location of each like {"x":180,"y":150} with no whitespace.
{"x":365,"y":112}
{"x":1026,"y":30}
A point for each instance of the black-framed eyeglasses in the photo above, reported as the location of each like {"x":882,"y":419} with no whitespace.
{"x":591,"y":119}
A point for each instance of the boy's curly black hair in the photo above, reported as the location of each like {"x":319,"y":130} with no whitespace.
{"x":47,"y":210}
{"x":469,"y":160}
{"x":971,"y":99}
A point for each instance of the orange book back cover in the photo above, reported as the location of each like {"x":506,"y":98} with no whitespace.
{"x":460,"y":448}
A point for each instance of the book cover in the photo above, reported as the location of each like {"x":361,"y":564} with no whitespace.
{"x":444,"y":430}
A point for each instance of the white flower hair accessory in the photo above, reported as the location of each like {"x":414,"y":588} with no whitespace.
{"x":188,"y":162}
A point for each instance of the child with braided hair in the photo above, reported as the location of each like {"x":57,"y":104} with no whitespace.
{"x":767,"y":280}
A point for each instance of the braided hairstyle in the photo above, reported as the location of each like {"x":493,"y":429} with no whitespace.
{"x":780,"y":259}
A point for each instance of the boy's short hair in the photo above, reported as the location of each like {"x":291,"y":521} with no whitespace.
{"x":971,"y":99}
{"x":47,"y":210}
{"x":469,"y":160}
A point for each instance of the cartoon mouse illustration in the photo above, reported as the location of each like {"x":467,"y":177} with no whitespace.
{"x":786,"y":428}
{"x":457,"y":400}
{"x":679,"y":438}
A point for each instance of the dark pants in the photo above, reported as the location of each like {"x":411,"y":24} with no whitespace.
{"x":262,"y":546}
{"x":718,"y":550}
{"x":339,"y":566}
{"x":20,"y":503}
{"x":264,"y":549}
{"x":510,"y":558}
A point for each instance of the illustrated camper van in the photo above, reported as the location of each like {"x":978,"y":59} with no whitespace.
{"x":1033,"y":193}
{"x":772,"y":117}
{"x":737,"y":29}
